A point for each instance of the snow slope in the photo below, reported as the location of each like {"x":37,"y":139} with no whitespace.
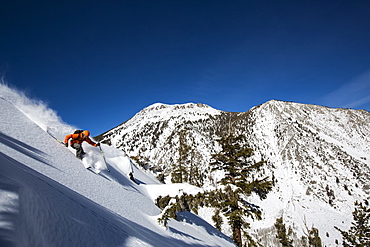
{"x":322,"y":163}
{"x":48,"y":198}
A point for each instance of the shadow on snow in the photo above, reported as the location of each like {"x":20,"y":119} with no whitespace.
{"x":24,"y":148}
{"x":50,"y":214}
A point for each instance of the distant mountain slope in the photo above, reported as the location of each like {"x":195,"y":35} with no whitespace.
{"x":153,"y":133}
{"x":319,"y":157}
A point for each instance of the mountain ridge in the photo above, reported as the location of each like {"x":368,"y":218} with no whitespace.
{"x":320,"y":154}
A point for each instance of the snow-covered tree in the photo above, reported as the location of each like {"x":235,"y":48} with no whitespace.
{"x":359,"y":233}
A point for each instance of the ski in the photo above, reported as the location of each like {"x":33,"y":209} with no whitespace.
{"x":93,"y":170}
{"x":102,"y":154}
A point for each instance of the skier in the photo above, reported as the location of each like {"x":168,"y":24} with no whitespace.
{"x":77,"y":139}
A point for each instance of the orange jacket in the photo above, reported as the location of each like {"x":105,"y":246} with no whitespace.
{"x":77,"y":138}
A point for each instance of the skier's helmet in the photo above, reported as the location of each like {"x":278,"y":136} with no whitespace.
{"x":86,"y":133}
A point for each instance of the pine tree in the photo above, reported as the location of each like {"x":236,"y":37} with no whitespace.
{"x":282,"y":233}
{"x":230,"y":199}
{"x":180,"y":172}
{"x":312,"y":238}
{"x":238,"y":184}
{"x":186,"y":169}
{"x":217,"y":219}
{"x":359,"y":233}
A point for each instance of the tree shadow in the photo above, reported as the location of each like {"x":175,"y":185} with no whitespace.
{"x":51,"y":214}
{"x":24,"y":148}
{"x":8,"y":211}
{"x":119,"y":178}
{"x":196,"y":220}
{"x":181,"y":233}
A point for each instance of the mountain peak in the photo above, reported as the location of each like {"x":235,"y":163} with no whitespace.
{"x":187,"y":110}
{"x":159,"y":106}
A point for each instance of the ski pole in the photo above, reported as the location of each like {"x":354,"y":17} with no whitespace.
{"x":55,"y":138}
{"x":102,"y":154}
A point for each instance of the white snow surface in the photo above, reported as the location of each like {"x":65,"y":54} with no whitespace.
{"x":48,"y":198}
{"x":191,"y":111}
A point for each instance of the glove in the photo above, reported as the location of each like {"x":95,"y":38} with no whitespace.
{"x":97,"y":144}
{"x":66,"y":144}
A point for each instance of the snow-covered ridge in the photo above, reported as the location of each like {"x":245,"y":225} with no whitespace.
{"x":342,"y":126}
{"x":157,"y":106}
{"x":322,"y":162}
{"x":318,"y":156}
{"x":188,"y":110}
{"x":164,"y":113}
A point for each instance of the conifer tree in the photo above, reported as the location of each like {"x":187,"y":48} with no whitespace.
{"x":312,"y":238}
{"x":238,"y":184}
{"x":217,"y":219}
{"x":230,"y":199}
{"x":282,"y":233}
{"x":359,"y":232}
{"x":186,"y":169}
{"x":179,"y":170}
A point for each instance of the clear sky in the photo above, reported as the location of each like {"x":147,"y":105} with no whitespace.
{"x":97,"y":63}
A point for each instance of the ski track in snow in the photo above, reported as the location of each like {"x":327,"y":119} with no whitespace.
{"x":48,"y":198}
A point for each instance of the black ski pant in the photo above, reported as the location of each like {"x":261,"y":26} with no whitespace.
{"x":79,"y":150}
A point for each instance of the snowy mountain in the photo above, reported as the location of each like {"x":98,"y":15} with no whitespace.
{"x":318,"y":157}
{"x":48,"y":198}
{"x":153,"y":133}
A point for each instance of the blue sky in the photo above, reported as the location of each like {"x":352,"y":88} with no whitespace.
{"x":97,"y":63}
